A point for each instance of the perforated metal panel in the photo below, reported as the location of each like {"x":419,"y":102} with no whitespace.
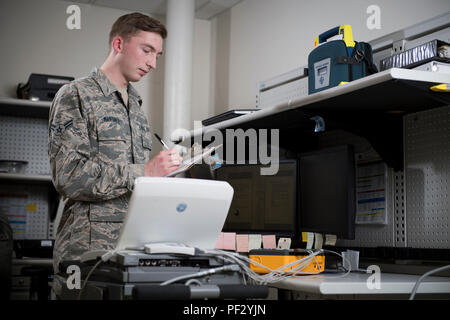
{"x":399,"y":210}
{"x":419,"y":197}
{"x":26,"y":139}
{"x":376,"y":235}
{"x":51,"y":230}
{"x":365,"y":235}
{"x":427,"y":178}
{"x":34,"y":206}
{"x":37,"y":221}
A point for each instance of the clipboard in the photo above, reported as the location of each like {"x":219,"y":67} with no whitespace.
{"x":191,"y":161}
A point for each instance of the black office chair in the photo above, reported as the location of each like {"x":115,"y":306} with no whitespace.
{"x":39,"y":286}
{"x":6,"y":250}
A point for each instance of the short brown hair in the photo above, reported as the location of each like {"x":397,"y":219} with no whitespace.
{"x":129,"y":24}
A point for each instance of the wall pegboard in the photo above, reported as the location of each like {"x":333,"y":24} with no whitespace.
{"x":23,"y":138}
{"x":399,"y":210}
{"x":366,"y":235}
{"x":51,"y":230}
{"x":376,"y":235}
{"x":31,"y":201}
{"x":427,"y":178}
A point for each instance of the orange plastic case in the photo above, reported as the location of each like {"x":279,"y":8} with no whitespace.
{"x":275,"y":258}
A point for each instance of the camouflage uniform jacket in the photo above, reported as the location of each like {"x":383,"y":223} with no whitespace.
{"x":97,"y":147}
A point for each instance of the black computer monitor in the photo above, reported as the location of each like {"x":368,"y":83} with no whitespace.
{"x":327,"y":188}
{"x":265,"y":204}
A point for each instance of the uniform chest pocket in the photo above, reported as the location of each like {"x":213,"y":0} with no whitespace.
{"x":144,"y":145}
{"x":113,"y":145}
{"x":147,"y":146}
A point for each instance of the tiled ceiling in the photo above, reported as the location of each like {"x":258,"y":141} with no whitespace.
{"x":204,"y":9}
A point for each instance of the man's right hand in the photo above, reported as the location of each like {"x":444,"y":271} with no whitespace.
{"x":163,"y":163}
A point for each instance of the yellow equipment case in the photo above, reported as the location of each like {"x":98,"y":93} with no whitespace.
{"x":276,"y":258}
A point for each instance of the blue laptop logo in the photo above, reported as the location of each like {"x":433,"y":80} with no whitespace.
{"x":181,"y":207}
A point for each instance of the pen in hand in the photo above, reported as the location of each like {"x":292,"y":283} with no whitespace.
{"x":162,"y":142}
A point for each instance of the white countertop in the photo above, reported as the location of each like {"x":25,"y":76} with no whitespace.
{"x":357,"y":283}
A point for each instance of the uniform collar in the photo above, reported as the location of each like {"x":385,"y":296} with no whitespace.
{"x":133,"y":93}
{"x":108,"y":88}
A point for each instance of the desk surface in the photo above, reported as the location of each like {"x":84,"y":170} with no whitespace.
{"x":356,"y":283}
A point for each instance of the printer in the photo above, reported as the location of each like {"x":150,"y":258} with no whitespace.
{"x":41,"y":87}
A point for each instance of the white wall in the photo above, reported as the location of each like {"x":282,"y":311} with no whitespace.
{"x":255,"y":40}
{"x":35,"y":39}
{"x":269,"y":37}
{"x":220,"y":66}
{"x":201,"y":72}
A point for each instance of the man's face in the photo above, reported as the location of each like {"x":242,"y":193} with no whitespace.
{"x":139,"y":54}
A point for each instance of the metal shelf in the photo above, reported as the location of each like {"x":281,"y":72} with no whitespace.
{"x":24,"y":108}
{"x":372,"y":107}
{"x":29,"y":178}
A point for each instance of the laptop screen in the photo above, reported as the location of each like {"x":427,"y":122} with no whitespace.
{"x":180,"y":210}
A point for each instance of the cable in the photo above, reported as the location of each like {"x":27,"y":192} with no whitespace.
{"x":240,"y":263}
{"x":104,"y":258}
{"x":416,"y":286}
{"x":190,"y":281}
{"x":347,"y":271}
{"x":232,"y":267}
{"x":87,"y":277}
{"x":273,"y":275}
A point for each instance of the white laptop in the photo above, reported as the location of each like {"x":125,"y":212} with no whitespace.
{"x":191,"y":212}
{"x":182,"y":211}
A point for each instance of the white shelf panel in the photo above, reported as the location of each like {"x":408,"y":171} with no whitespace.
{"x":326,"y":97}
{"x":24,"y":108}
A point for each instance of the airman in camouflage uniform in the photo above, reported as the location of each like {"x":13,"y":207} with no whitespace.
{"x":97,"y":148}
{"x":100,"y":141}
